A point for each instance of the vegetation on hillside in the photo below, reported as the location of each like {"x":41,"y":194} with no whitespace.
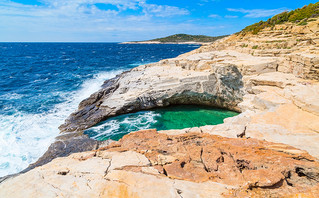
{"x":188,"y":38}
{"x":300,"y":16}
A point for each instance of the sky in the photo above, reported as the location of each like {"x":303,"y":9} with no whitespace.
{"x":130,"y":20}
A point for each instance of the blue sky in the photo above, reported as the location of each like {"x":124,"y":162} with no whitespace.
{"x":126,"y":20}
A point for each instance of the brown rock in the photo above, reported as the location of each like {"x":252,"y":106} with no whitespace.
{"x":256,"y":167}
{"x":151,"y":164}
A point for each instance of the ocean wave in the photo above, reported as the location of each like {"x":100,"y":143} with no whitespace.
{"x":11,"y":96}
{"x":25,"y":137}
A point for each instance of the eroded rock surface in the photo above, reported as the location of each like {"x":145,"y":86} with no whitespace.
{"x":295,"y":48}
{"x":271,"y":78}
{"x":158,"y":85}
{"x":151,"y":164}
{"x":278,"y":108}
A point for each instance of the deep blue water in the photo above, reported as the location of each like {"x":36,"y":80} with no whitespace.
{"x":42,"y":83}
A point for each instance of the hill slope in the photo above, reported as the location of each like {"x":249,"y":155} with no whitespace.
{"x":300,"y":16}
{"x":182,"y":38}
{"x":188,"y":38}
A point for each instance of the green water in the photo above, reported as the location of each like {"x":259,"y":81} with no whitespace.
{"x":174,"y":117}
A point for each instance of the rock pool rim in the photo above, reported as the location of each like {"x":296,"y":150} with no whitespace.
{"x":172,"y":117}
{"x":201,"y":92}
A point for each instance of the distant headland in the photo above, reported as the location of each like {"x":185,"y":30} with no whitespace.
{"x":180,"y":39}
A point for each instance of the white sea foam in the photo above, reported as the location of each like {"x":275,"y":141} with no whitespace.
{"x":10,"y":96}
{"x":25,"y":137}
{"x":133,"y":122}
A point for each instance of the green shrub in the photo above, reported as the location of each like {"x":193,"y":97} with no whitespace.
{"x":309,"y":20}
{"x":244,"y":45}
{"x":303,"y":23}
{"x":299,"y":16}
{"x":305,"y":12}
{"x":255,"y":47}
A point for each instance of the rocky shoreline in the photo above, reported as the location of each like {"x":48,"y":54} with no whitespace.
{"x":152,"y":164}
{"x":275,"y":88}
{"x":158,"y":42}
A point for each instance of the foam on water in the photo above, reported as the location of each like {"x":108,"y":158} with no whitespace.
{"x":121,"y":125}
{"x":25,"y":137}
{"x":173,"y":117}
{"x":11,"y":96}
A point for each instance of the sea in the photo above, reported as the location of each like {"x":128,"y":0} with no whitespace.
{"x":42,"y":83}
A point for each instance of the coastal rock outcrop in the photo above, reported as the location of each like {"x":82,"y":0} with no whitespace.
{"x":296,"y":48}
{"x":278,"y":108}
{"x":158,"y":85}
{"x":271,"y":78}
{"x":151,"y":164}
{"x":211,"y":75}
{"x":231,"y":73}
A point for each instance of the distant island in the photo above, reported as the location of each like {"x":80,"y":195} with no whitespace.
{"x":180,"y":39}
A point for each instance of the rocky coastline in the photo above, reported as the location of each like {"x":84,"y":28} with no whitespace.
{"x":158,"y":42}
{"x":270,"y":149}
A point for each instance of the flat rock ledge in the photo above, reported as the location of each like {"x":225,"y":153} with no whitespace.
{"x":152,"y":164}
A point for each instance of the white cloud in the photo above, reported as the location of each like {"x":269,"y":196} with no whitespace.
{"x":70,"y":7}
{"x":81,"y":20}
{"x":214,"y":16}
{"x":86,"y":8}
{"x":231,"y":17}
{"x":257,"y":13}
{"x":162,"y":10}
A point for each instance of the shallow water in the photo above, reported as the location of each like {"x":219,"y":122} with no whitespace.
{"x":42,"y":83}
{"x":174,"y":117}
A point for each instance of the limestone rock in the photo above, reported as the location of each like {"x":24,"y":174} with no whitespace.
{"x":155,"y":85}
{"x":151,"y":164}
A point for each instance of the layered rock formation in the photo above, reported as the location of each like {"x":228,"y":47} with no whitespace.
{"x":151,"y":164}
{"x":271,"y":78}
{"x":157,"y":85}
{"x":295,"y":48}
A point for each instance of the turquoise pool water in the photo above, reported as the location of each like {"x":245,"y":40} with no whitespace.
{"x":174,"y":117}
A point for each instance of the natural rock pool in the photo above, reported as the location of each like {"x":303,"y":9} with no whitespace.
{"x":173,"y":117}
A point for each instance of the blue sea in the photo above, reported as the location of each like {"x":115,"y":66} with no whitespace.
{"x":42,"y":83}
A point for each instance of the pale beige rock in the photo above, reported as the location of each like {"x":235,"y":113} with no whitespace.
{"x":295,"y":48}
{"x":226,"y":130}
{"x":129,"y":184}
{"x":305,"y":96}
{"x":279,"y":108}
{"x":157,"y":85}
{"x":278,"y":134}
{"x":194,"y":130}
{"x":96,"y":177}
{"x":273,"y":79}
{"x":174,"y":132}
